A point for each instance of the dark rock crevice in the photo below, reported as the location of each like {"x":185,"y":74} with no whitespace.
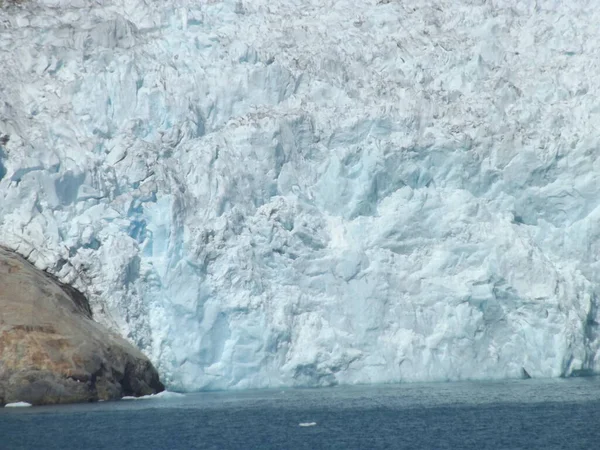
{"x":3,"y":142}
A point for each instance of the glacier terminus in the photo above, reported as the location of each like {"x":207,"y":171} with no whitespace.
{"x":277,"y":193}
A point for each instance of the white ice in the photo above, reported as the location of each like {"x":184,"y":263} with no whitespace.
{"x":160,"y":395}
{"x":309,"y":192}
{"x":17,"y":405}
{"x":307,"y":424}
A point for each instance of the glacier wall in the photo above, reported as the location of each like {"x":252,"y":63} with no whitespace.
{"x":310,"y":192}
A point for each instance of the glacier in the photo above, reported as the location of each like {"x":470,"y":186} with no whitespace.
{"x":313,"y":192}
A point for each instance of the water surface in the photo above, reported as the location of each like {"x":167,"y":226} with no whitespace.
{"x":528,"y":414}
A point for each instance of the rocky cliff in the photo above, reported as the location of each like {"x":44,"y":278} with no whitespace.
{"x":52,"y":351}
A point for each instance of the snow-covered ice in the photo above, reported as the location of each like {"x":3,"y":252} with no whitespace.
{"x":310,"y":192}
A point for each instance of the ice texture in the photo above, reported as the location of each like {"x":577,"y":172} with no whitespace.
{"x":310,"y":192}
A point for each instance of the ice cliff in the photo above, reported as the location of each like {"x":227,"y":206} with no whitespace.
{"x":310,"y":192}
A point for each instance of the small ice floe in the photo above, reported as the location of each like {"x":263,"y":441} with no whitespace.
{"x":307,"y":424}
{"x":163,"y":395}
{"x":17,"y":405}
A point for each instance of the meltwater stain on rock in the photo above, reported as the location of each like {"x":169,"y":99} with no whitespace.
{"x":52,"y":351}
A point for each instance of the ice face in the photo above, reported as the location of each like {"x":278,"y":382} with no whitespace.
{"x":307,"y":193}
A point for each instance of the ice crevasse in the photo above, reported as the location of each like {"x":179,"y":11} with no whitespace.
{"x":311,"y":192}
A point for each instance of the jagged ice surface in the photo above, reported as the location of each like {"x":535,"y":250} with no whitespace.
{"x":308,"y":192}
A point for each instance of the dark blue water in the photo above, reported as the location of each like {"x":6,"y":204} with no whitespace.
{"x":553,"y":414}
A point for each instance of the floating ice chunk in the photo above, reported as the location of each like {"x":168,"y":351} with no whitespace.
{"x":17,"y":405}
{"x":307,"y":424}
{"x":161,"y":395}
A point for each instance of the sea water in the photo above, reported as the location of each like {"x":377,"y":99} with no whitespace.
{"x":526,"y":414}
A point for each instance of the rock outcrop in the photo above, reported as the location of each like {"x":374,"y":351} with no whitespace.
{"x":52,"y":351}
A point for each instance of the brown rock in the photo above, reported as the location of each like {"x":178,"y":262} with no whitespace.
{"x":51,"y":351}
